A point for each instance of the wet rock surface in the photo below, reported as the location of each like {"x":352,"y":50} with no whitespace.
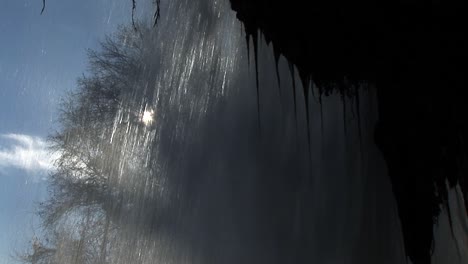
{"x":414,"y":54}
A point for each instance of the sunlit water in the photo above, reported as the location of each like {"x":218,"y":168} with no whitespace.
{"x":198,"y":175}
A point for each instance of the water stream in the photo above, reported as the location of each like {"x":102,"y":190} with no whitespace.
{"x":197,"y":169}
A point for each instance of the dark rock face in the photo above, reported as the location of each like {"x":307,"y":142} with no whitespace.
{"x":415,"y":54}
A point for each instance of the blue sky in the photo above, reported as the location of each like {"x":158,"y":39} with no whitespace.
{"x":40,"y":58}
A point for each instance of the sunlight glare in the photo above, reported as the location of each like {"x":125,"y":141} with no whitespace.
{"x":147,"y":117}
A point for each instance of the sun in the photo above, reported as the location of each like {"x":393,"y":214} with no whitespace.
{"x":147,"y":117}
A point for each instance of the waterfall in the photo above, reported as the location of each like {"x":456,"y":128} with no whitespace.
{"x":201,"y":167}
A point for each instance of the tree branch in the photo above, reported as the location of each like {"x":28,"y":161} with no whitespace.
{"x":133,"y":15}
{"x":157,"y":12}
{"x":43,"y":6}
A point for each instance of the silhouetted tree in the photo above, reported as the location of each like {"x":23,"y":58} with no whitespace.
{"x":78,"y":241}
{"x":85,"y":192}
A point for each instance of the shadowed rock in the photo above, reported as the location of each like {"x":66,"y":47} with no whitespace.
{"x":414,"y":54}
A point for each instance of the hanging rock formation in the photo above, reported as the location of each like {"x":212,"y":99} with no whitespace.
{"x":415,"y":54}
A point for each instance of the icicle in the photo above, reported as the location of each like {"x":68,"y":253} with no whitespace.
{"x":321,"y":111}
{"x":343,"y":99}
{"x":291,"y":69}
{"x":255,"y":43}
{"x":358,"y":113}
{"x":305,"y":88}
{"x":359,"y":124}
{"x":277,"y":55}
{"x":306,"y":95}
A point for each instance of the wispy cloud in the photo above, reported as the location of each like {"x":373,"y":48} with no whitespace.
{"x":25,"y":152}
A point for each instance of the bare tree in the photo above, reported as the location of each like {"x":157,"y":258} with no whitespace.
{"x":156,"y":16}
{"x":78,"y":217}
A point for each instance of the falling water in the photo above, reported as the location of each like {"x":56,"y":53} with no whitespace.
{"x":200,"y":170}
